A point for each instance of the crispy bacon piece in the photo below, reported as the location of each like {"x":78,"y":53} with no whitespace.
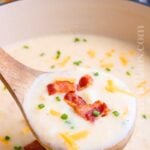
{"x":74,"y":100}
{"x":35,"y":145}
{"x":60,"y":87}
{"x":84,"y":82}
{"x":86,"y":111}
{"x":51,"y":89}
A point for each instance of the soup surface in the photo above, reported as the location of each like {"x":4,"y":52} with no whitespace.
{"x":66,"y":51}
{"x":74,"y":108}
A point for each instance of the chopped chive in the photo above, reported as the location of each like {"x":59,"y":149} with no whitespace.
{"x":41,"y":106}
{"x":77,"y":63}
{"x":7,"y":138}
{"x":96,"y":113}
{"x":144,"y":116}
{"x":72,"y":127}
{"x":96,"y":74}
{"x":67,"y":122}
{"x":52,"y":66}
{"x":128,"y":73}
{"x":76,"y":39}
{"x":64,"y":116}
{"x":108,"y":69}
{"x":58,"y":98}
{"x":42,"y":54}
{"x":25,"y":46}
{"x":58,"y":53}
{"x":17,"y":147}
{"x":116,"y":113}
{"x":84,"y":40}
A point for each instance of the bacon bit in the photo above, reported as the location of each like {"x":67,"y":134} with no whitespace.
{"x":84,"y":82}
{"x":86,"y":111}
{"x":60,"y":86}
{"x":51,"y":89}
{"x":35,"y":145}
{"x":74,"y":100}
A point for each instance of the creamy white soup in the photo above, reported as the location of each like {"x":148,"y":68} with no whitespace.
{"x":80,"y":109}
{"x":58,"y":52}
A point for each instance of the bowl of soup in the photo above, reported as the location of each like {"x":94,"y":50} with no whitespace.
{"x":99,"y":38}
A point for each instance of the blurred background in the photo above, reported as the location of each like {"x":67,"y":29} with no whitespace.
{"x":145,"y":2}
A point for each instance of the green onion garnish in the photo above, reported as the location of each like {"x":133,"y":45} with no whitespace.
{"x":96,"y":113}
{"x":128,"y":73}
{"x":84,"y":40}
{"x":25,"y":46}
{"x":144,"y":116}
{"x":76,"y":40}
{"x":64,"y":116}
{"x":116,"y":113}
{"x":77,"y":63}
{"x":41,"y":106}
{"x":17,"y":148}
{"x":58,"y":98}
{"x":58,"y":53}
{"x":96,"y":74}
{"x":108,"y":69}
{"x":72,"y":127}
{"x":42,"y":54}
{"x":52,"y":66}
{"x":7,"y":138}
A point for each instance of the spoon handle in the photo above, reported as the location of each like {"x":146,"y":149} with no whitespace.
{"x":15,"y":75}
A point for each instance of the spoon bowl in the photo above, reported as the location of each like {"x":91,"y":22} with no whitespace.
{"x":18,"y":78}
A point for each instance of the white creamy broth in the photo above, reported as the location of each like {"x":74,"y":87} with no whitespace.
{"x":109,"y":55}
{"x":45,"y":112}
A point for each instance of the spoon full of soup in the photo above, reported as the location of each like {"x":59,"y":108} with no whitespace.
{"x":74,"y":109}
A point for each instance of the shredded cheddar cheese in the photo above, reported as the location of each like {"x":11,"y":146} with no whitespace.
{"x":111,"y":87}
{"x":106,"y":65}
{"x":26,"y":130}
{"x":42,"y":98}
{"x":132,"y":52}
{"x":110,"y":53}
{"x":123,"y":60}
{"x":69,"y":141}
{"x":54,"y":113}
{"x":146,"y":91}
{"x":2,"y":140}
{"x":80,"y":135}
{"x":91,"y":53}
{"x":125,"y":112}
{"x":72,"y":80}
{"x":141,"y":84}
{"x":64,"y":61}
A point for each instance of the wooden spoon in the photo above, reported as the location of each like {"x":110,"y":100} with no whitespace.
{"x":18,"y":78}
